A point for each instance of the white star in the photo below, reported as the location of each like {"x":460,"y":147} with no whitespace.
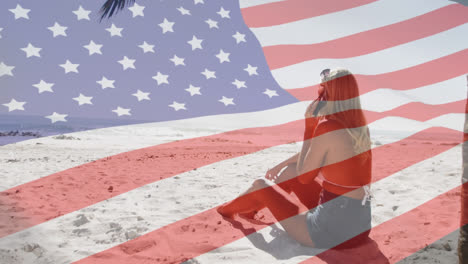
{"x":141,"y":95}
{"x":239,"y":84}
{"x":44,"y":87}
{"x":93,"y":48}
{"x":177,"y":60}
{"x":209,"y":74}
{"x":147,"y":47}
{"x":121,"y":111}
{"x":167,"y":26}
{"x":14,"y":105}
{"x":114,"y":31}
{"x":161,"y":78}
{"x":198,"y":1}
{"x":20,"y":12}
{"x":184,"y":11}
{"x":82,"y":99}
{"x":177,"y":106}
{"x":223,"y":56}
{"x":105,"y":83}
{"x":212,"y":23}
{"x":251,"y":70}
{"x":224,"y":13}
{"x":31,"y":51}
{"x":82,"y":13}
{"x":227,"y":101}
{"x":5,"y":69}
{"x":137,"y":10}
{"x":193,"y":90}
{"x":270,"y":93}
{"x":0,"y":31}
{"x":195,"y":43}
{"x":127,"y":63}
{"x":56,"y":117}
{"x":58,"y":30}
{"x":70,"y":67}
{"x":239,"y":37}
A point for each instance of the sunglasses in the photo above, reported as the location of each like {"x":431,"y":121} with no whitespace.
{"x":324,"y":74}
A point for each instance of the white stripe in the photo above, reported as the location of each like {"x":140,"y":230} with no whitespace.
{"x":249,"y":3}
{"x":388,"y":60}
{"x":452,"y":121}
{"x":63,"y":241}
{"x":435,"y":94}
{"x":345,"y":23}
{"x":404,"y":126}
{"x":407,"y":195}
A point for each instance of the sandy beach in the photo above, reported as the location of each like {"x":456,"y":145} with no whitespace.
{"x":187,"y":197}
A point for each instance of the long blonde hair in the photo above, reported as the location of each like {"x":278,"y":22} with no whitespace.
{"x":341,"y":93}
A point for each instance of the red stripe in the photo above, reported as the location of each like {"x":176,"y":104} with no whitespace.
{"x":293,"y":10}
{"x":64,"y":192}
{"x":205,"y":231}
{"x":369,"y":41}
{"x":405,"y":234}
{"x":419,"y":111}
{"x":428,"y":73}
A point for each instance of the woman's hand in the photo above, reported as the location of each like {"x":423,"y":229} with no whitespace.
{"x":272,"y":174}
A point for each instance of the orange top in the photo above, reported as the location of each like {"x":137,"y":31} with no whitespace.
{"x":348,"y":175}
{"x":342,"y":171}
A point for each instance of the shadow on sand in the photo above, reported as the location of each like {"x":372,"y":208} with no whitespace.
{"x":280,"y":247}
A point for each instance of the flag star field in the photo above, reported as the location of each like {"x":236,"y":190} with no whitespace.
{"x":153,"y":62}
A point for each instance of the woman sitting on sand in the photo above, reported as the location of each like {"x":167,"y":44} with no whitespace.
{"x":336,"y":148}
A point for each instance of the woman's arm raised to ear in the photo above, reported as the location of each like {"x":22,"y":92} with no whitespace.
{"x":312,"y":154}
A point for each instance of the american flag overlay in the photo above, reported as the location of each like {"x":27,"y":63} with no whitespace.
{"x":121,"y":137}
{"x":171,"y":64}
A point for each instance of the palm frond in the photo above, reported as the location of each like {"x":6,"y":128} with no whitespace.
{"x":111,"y":7}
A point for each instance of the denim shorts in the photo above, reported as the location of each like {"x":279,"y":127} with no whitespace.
{"x":339,"y":219}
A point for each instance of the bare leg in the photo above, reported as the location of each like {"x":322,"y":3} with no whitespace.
{"x":308,"y":194}
{"x":283,"y":181}
{"x":284,"y":208}
{"x":243,"y":204}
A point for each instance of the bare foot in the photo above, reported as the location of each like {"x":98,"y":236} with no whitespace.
{"x":249,"y":215}
{"x":222,"y":210}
